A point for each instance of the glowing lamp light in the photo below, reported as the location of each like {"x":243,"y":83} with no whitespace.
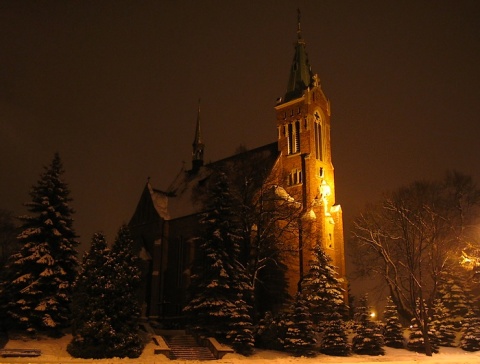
{"x":325,"y":189}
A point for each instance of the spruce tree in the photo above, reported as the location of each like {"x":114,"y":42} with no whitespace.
{"x":416,"y":340}
{"x":8,"y":242}
{"x":393,"y":331}
{"x":300,"y":336}
{"x":334,"y":339}
{"x":218,"y":279}
{"x":322,"y":288}
{"x":42,"y":272}
{"x":271,"y":331}
{"x":368,"y":339}
{"x":107,"y":288}
{"x":470,"y":340}
{"x":451,"y":293}
{"x":92,"y":329}
{"x":241,"y":328}
{"x":123,"y":306}
{"x":445,"y":331}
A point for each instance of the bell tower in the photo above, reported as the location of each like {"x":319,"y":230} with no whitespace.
{"x":303,"y":126}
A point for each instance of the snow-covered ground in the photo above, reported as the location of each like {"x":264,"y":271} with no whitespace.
{"x":54,"y":351}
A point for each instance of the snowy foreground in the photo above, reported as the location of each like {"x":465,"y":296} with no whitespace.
{"x":54,"y":351}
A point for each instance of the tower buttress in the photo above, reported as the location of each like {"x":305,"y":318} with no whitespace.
{"x":198,"y":145}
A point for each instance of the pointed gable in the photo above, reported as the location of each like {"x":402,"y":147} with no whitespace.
{"x":151,"y":207}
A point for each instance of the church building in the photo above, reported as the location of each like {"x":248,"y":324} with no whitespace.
{"x":296,"y":169}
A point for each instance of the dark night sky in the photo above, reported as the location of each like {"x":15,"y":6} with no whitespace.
{"x":113,"y":86}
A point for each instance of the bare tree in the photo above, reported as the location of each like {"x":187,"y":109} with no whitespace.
{"x":268,"y":217}
{"x":412,"y":236}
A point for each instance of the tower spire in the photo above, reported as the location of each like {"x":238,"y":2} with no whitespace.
{"x":198,"y":146}
{"x":300,"y":73}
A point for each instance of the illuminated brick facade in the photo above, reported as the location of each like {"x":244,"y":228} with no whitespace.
{"x":299,"y":164}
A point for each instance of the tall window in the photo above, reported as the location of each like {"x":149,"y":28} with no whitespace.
{"x":318,"y":141}
{"x":290,"y":139}
{"x":293,"y":138}
{"x":297,"y":137}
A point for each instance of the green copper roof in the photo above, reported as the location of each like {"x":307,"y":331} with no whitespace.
{"x":301,"y":72}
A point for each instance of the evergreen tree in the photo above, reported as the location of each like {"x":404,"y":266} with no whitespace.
{"x":8,"y":245}
{"x":92,"y":329}
{"x":351,"y":303}
{"x":334,"y":339}
{"x":445,"y":331}
{"x":451,"y":293}
{"x":107,"y":288}
{"x":322,"y":288}
{"x":218,"y":279}
{"x":393,"y":331}
{"x":367,"y":339}
{"x":8,"y":233}
{"x":124,"y":307}
{"x":241,"y":328}
{"x":300,"y":336}
{"x":470,"y":340}
{"x":271,"y":332}
{"x":41,"y":273}
{"x":416,"y":340}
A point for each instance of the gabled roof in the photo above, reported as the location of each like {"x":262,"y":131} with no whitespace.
{"x":151,"y":206}
{"x":187,"y":194}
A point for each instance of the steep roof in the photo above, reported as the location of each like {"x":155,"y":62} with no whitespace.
{"x":152,"y":205}
{"x":187,"y":193}
{"x":301,"y":75}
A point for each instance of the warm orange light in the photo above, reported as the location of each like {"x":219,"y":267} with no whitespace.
{"x":469,"y":261}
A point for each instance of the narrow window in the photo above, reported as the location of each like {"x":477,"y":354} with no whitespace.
{"x":318,"y":141}
{"x":290,"y":139}
{"x":295,"y":177}
{"x":297,"y":137}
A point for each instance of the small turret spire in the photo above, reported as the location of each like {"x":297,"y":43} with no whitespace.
{"x":198,"y":146}
{"x":299,"y":31}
